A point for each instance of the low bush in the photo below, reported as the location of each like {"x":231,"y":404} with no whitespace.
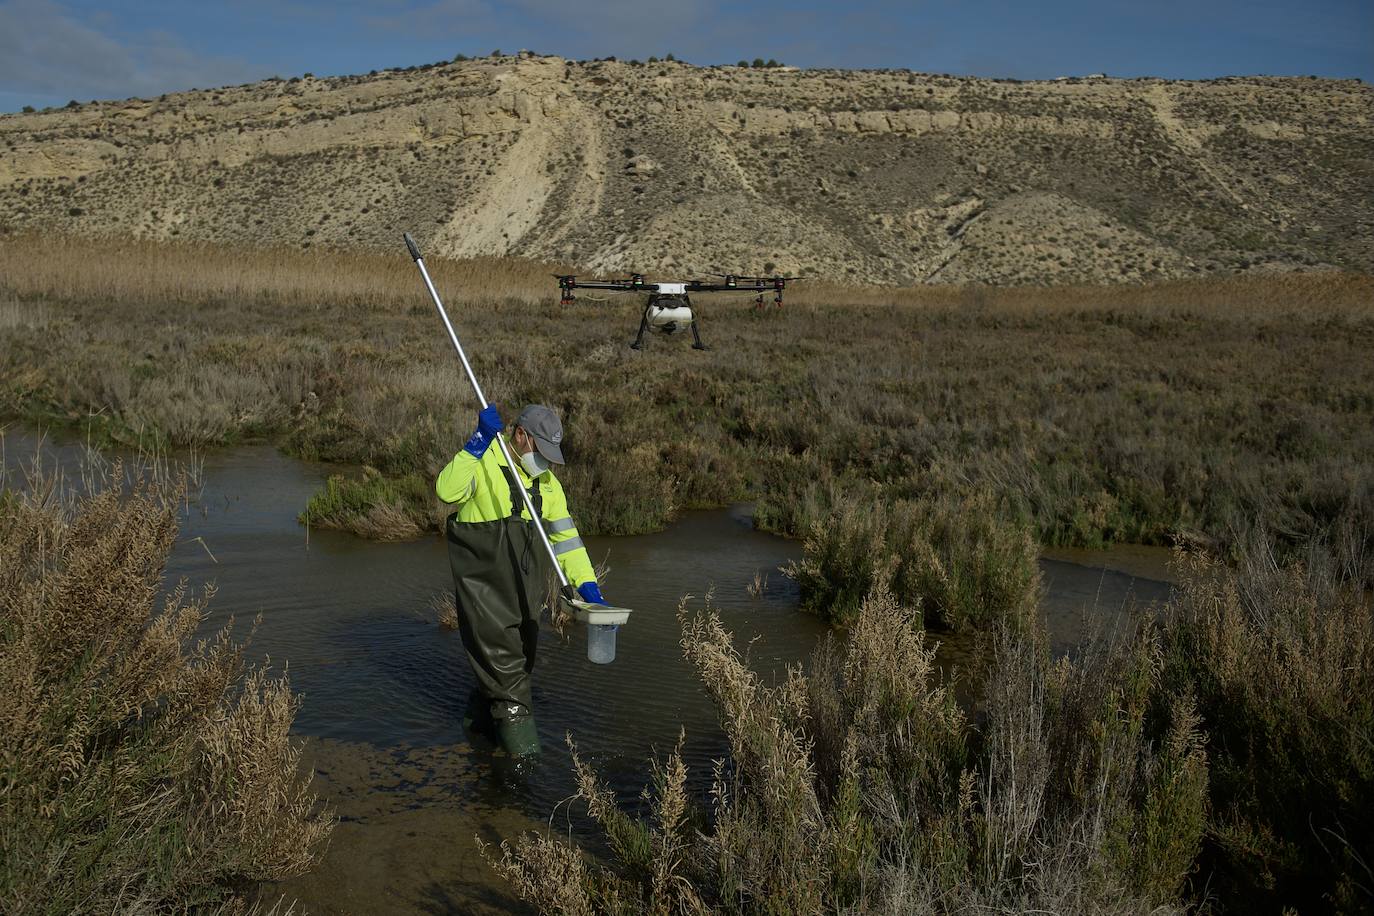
{"x":382,"y":508}
{"x":966,"y":563}
{"x":863,"y":788}
{"x":141,"y":770}
{"x":1280,"y":656}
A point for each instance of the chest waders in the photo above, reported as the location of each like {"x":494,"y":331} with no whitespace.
{"x":499,"y":584}
{"x":493,"y":561}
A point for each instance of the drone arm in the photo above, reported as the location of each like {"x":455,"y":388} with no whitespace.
{"x":613,"y":284}
{"x":756,"y":286}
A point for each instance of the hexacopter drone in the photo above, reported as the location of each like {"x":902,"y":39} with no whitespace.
{"x":669,"y":307}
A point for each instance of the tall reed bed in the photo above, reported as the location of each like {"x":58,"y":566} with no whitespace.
{"x":189,"y":274}
{"x":141,"y":769}
{"x":67,"y":267}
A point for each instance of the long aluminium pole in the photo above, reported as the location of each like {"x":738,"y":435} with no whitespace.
{"x":500,"y":439}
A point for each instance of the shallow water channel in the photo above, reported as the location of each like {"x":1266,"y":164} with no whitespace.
{"x":384,"y":686}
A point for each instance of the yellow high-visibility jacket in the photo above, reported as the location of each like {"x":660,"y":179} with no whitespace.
{"x":480,"y":491}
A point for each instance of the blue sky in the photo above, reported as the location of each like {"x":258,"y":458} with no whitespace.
{"x":55,"y":50}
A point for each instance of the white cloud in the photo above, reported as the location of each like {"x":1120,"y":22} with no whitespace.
{"x":48,"y":51}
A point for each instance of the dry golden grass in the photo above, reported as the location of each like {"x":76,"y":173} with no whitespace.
{"x":182,"y":274}
{"x":190,"y":273}
{"x":1268,"y":295}
{"x":445,"y":607}
{"x":15,"y":314}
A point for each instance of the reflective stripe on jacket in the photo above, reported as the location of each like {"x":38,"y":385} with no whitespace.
{"x":480,"y":491}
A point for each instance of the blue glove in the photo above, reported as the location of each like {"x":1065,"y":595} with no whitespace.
{"x":591,"y":593}
{"x":488,"y":425}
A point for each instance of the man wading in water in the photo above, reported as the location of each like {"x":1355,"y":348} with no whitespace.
{"x":498,"y":563}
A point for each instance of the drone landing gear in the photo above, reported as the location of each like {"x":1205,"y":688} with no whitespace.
{"x":696,"y":336}
{"x":643,"y":326}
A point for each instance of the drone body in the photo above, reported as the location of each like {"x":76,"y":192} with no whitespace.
{"x":669,"y":306}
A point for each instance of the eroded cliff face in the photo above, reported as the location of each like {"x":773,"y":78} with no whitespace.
{"x":887,"y":176}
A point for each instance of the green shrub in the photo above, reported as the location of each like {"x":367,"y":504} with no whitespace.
{"x":384,"y":508}
{"x":960,"y":560}
{"x":1281,"y":659}
{"x":1091,"y":772}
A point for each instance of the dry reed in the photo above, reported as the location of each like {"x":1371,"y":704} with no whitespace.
{"x":190,"y":273}
{"x":187,"y":274}
{"x":445,"y":607}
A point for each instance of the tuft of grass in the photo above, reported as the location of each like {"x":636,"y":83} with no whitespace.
{"x":28,"y":315}
{"x":445,"y":607}
{"x":141,"y":769}
{"x":381,"y":508}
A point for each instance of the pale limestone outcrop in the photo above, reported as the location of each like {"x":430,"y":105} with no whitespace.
{"x":879,"y":175}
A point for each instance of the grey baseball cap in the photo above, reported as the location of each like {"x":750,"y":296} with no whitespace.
{"x":542,"y":424}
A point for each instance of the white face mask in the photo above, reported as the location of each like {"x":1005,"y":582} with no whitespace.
{"x":534,"y":463}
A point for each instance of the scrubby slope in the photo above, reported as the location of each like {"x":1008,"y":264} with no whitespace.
{"x":891,"y":176}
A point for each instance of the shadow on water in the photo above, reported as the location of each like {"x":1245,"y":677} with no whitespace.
{"x":384,"y":686}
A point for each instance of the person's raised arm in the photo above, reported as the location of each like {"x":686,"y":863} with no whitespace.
{"x":458,"y":481}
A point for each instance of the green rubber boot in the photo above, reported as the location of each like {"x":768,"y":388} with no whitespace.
{"x":519,"y":736}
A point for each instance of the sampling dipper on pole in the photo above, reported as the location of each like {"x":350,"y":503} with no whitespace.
{"x":500,"y":508}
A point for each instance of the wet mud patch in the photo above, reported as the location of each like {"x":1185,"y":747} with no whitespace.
{"x":410,"y":820}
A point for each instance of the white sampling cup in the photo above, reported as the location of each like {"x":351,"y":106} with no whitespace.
{"x":601,"y":643}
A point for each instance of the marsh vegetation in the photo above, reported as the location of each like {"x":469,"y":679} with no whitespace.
{"x":142,"y":769}
{"x":1155,"y":414}
{"x":1219,"y":755}
{"x":923,"y":444}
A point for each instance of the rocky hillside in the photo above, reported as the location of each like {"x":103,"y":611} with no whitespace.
{"x":888,"y":176}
